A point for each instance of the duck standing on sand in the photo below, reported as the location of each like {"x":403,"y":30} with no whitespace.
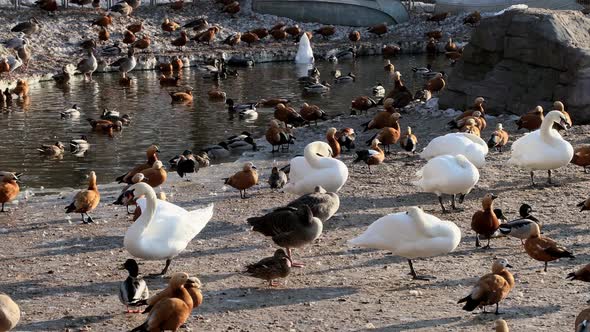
{"x":244,"y":179}
{"x":86,"y":200}
{"x":490,"y":289}
{"x":271,"y":268}
{"x":543,"y":248}
{"x":485,"y":222}
{"x":289,"y":227}
{"x":133,"y":289}
{"x":9,"y":189}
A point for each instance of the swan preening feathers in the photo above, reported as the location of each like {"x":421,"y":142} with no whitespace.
{"x":163,"y":229}
{"x":471,"y":146}
{"x":412,"y":234}
{"x":316,"y":168}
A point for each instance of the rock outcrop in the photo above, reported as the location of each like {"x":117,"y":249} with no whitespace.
{"x":525,"y":58}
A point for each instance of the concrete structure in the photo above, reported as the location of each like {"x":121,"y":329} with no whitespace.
{"x":337,"y":12}
{"x":457,"y":6}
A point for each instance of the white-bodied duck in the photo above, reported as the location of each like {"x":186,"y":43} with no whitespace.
{"x":448,"y":175}
{"x":163,"y":230}
{"x":412,"y":234}
{"x":316,"y":168}
{"x":469,"y":145}
{"x":544,"y":148}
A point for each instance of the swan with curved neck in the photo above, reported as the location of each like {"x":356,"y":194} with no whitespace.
{"x":412,"y":234}
{"x":316,"y":168}
{"x":163,"y":230}
{"x":543,"y":149}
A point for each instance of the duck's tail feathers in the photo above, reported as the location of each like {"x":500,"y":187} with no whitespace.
{"x":361,"y":156}
{"x":120,"y":178}
{"x":470,"y":304}
{"x":70,"y":208}
{"x":369,"y":141}
{"x":505,"y":229}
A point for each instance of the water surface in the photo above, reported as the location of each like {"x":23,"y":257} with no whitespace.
{"x":156,"y":120}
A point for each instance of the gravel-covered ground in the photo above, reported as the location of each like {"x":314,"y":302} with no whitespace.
{"x":64,"y":275}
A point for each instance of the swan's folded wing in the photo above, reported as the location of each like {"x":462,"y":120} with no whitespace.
{"x":477,"y":140}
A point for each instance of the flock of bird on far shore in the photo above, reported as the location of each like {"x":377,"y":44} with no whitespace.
{"x":162,"y":230}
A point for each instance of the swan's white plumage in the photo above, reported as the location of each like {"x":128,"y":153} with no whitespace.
{"x":469,"y":145}
{"x":544,"y":148}
{"x":168,"y":232}
{"x":412,"y":234}
{"x":447,"y":175}
{"x":304,"y":53}
{"x":316,"y":168}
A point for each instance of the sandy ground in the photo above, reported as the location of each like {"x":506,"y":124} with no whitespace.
{"x":64,"y":277}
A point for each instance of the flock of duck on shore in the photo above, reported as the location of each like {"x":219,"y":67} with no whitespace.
{"x":162,"y":230}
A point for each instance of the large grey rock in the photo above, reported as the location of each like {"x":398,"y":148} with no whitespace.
{"x":525,"y":58}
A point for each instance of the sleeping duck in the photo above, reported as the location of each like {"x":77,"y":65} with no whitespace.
{"x":244,"y":141}
{"x":79,"y":145}
{"x":378,"y":90}
{"x":114,"y":116}
{"x":313,"y":76}
{"x":73,"y":112}
{"x":218,"y":151}
{"x":232,"y":107}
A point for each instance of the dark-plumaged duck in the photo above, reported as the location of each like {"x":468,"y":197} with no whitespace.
{"x":244,"y":179}
{"x":133,"y":289}
{"x":485,"y":222}
{"x":490,"y":289}
{"x":277,"y":178}
{"x":271,"y":268}
{"x":323,"y":204}
{"x":289,"y":227}
{"x":543,"y":248}
{"x":86,"y":201}
{"x":373,"y":156}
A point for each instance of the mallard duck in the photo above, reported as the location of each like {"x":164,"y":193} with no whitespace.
{"x":217,"y":151}
{"x":185,"y":164}
{"x":317,"y":88}
{"x":171,"y":311}
{"x":411,"y":234}
{"x":289,"y":228}
{"x":543,"y":248}
{"x":238,"y":108}
{"x":422,"y":70}
{"x":490,"y":289}
{"x":323,"y":204}
{"x":520,"y":228}
{"x":9,"y":189}
{"x":378,"y":90}
{"x":244,"y":141}
{"x":271,"y":268}
{"x":277,"y":178}
{"x":163,"y":230}
{"x":543,"y":149}
{"x":133,"y":289}
{"x":63,"y":77}
{"x":54,"y":150}
{"x":72,"y":112}
{"x":349,"y":78}
{"x":28,"y":28}
{"x":86,"y":200}
{"x":244,"y":179}
{"x":9,"y":313}
{"x":79,"y":145}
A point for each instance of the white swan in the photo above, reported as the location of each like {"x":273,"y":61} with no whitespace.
{"x":448,"y":175}
{"x":316,"y":168}
{"x":304,"y":53}
{"x":413,"y":234}
{"x":544,"y":148}
{"x":163,"y":230}
{"x":469,"y":145}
